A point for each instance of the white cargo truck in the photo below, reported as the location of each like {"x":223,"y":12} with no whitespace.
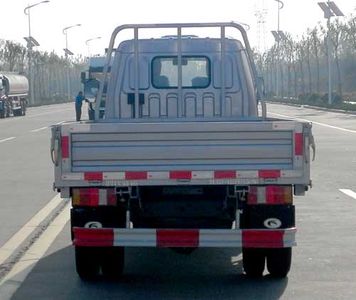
{"x":182,"y":158}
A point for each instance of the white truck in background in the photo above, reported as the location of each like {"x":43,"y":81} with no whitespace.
{"x":13,"y":94}
{"x":182,"y":158}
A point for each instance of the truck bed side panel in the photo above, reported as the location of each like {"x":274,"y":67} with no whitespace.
{"x":242,"y":146}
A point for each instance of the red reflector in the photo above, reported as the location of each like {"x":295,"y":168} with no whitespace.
{"x":94,"y":197}
{"x":271,"y":195}
{"x":180,"y":175}
{"x":262,"y":239}
{"x":177,"y":238}
{"x":93,"y":237}
{"x":252,"y":195}
{"x":274,"y":195}
{"x":224,"y":174}
{"x":93,"y":176}
{"x":111,"y":197}
{"x":136,"y":175}
{"x":65,"y":146}
{"x":298,"y":143}
{"x":269,"y":173}
{"x":89,"y":197}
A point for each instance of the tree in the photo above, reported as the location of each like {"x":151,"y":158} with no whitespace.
{"x":300,"y":51}
{"x":13,"y":54}
{"x":49,"y":70}
{"x":336,"y":30}
{"x":350,"y":34}
{"x":304,"y":63}
{"x":315,"y":48}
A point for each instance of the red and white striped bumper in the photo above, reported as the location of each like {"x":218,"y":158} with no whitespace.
{"x":250,"y":238}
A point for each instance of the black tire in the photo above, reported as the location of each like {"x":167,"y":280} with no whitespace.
{"x":253,"y":261}
{"x":87,"y":262}
{"x":7,"y":109}
{"x":23,"y":107}
{"x":112,"y":262}
{"x":16,"y":112}
{"x":279,"y":261}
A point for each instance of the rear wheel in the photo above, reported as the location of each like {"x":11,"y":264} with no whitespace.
{"x":253,"y":261}
{"x":112,"y":261}
{"x":7,"y":109}
{"x":87,"y":262}
{"x":279,"y":261}
{"x":23,"y":107}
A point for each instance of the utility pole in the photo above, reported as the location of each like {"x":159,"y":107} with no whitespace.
{"x":280,"y":6}
{"x":330,"y":9}
{"x":67,"y":52}
{"x":88,"y":45}
{"x":31,"y":42}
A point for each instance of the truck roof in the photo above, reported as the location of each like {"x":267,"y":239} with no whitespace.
{"x":97,"y":61}
{"x":190,"y":44}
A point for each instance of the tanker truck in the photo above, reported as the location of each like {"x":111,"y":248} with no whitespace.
{"x":13,"y":94}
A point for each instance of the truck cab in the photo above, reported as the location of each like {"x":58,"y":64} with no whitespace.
{"x":199,"y":73}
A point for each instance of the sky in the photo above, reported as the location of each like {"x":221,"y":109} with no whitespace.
{"x":99,"y":18}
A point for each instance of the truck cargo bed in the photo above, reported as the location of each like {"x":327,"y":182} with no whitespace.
{"x":149,"y":153}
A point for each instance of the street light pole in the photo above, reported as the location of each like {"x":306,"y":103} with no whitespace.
{"x":330,"y":9}
{"x":280,"y":6}
{"x":30,"y":44}
{"x":67,"y":52}
{"x":89,"y":40}
{"x":328,"y":41}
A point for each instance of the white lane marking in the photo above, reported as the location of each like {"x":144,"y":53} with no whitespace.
{"x":15,"y":241}
{"x":39,"y":129}
{"x":317,"y":123}
{"x":12,"y":281}
{"x":7,"y":139}
{"x":347,"y":192}
{"x":59,"y":123}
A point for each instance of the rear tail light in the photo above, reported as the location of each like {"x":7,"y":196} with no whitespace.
{"x":271,"y":194}
{"x":93,"y":197}
{"x":65,"y":146}
{"x":298,"y":143}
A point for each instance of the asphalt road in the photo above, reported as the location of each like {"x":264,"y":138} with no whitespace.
{"x":324,"y":262}
{"x":26,"y":175}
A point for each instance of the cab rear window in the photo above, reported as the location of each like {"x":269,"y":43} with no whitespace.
{"x":195,"y":72}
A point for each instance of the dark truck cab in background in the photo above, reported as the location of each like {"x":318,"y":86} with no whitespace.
{"x":91,"y":80}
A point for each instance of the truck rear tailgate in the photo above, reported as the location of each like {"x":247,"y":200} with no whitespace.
{"x":164,"y":153}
